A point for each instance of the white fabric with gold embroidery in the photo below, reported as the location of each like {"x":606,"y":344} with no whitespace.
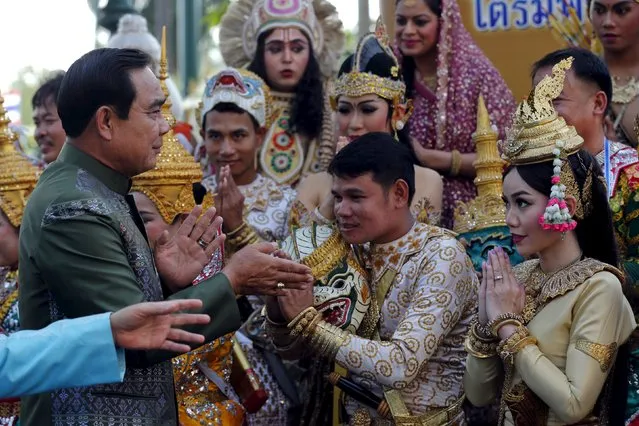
{"x":266,"y":205}
{"x":424,"y":320}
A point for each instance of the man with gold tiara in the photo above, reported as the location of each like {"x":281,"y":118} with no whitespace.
{"x":294,"y":46}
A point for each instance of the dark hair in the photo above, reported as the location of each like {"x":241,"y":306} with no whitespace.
{"x":307,"y":106}
{"x":408,"y":63}
{"x":381,"y":65}
{"x":100,"y":77}
{"x":600,"y":245}
{"x":224,"y":107}
{"x":596,"y":237}
{"x":48,"y":90}
{"x":587,"y":67}
{"x":377,"y":153}
{"x":199,"y":191}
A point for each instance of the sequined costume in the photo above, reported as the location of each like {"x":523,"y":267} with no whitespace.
{"x":286,"y":156}
{"x":444,"y":119}
{"x":426,"y":289}
{"x":18,"y":177}
{"x":553,"y":369}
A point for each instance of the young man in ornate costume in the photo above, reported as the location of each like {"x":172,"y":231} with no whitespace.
{"x":236,"y":111}
{"x":83,"y":248}
{"x":294,"y":46}
{"x":422,"y":282}
{"x":584,"y":103}
{"x":48,"y":133}
{"x":548,"y":331}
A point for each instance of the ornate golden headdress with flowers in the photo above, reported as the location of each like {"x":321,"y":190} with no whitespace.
{"x":359,"y":82}
{"x":246,"y":20}
{"x":170,"y":184}
{"x":18,"y":176}
{"x":538,"y":135}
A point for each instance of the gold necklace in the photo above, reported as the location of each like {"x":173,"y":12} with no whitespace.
{"x":624,"y":93}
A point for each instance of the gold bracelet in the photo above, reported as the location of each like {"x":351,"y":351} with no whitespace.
{"x":503,"y":323}
{"x":242,"y":236}
{"x":514,"y":343}
{"x":482,"y":332}
{"x":310,"y":310}
{"x":476,"y":352}
{"x":237,"y":230}
{"x":455,"y":162}
{"x":495,"y":324}
{"x":327,"y":339}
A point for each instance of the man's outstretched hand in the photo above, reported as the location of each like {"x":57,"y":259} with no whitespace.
{"x":152,"y":325}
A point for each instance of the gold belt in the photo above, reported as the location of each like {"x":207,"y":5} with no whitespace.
{"x":438,"y":417}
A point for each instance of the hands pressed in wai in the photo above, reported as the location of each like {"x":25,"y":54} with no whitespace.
{"x":229,"y":200}
{"x":499,"y":293}
{"x":181,"y":257}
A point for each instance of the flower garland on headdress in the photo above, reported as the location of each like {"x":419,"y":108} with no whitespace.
{"x":539,"y":134}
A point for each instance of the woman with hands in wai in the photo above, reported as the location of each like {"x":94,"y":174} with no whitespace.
{"x":550,"y":332}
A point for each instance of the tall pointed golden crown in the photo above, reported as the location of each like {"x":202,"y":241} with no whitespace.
{"x":537,"y":126}
{"x":18,"y":177}
{"x":487,"y":209}
{"x":170,"y":184}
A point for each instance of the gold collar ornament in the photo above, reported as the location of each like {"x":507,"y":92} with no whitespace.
{"x":538,"y":135}
{"x":18,"y":176}
{"x":358,"y":82}
{"x":242,"y":88}
{"x":245,"y":20}
{"x":170,"y":184}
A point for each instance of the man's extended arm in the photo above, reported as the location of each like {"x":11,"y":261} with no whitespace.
{"x":67,"y":353}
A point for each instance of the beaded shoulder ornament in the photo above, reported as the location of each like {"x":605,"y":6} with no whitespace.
{"x":539,"y":135}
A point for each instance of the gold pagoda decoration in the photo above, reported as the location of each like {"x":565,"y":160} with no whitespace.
{"x":487,"y":209}
{"x":18,"y":176}
{"x":170,"y":184}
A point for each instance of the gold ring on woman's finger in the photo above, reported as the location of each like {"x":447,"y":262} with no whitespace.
{"x":280,"y":286}
{"x":202,"y":244}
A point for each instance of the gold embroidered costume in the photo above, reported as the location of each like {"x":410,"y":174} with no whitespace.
{"x":18,"y":178}
{"x":425,"y":288}
{"x":552,"y":369}
{"x":287,"y":156}
{"x":170,"y":187}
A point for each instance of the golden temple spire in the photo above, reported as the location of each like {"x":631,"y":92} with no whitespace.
{"x":487,"y":209}
{"x":7,"y":137}
{"x":489,"y":165}
{"x":170,"y":184}
{"x":18,"y":176}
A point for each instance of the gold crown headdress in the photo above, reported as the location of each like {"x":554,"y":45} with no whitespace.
{"x":487,"y":209}
{"x":18,"y":176}
{"x":245,"y":20}
{"x":359,"y":82}
{"x":242,"y":88}
{"x":170,"y":184}
{"x":538,"y":135}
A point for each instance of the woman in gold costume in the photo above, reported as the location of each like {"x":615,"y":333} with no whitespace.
{"x":369,"y":96}
{"x":550,"y":332}
{"x":18,"y":178}
{"x":294,"y":46}
{"x":162,"y":196}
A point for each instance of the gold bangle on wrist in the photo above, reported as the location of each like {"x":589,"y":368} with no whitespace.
{"x":497,"y":323}
{"x":455,"y":162}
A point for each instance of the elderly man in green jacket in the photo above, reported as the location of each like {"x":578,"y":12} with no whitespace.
{"x":83,"y":248}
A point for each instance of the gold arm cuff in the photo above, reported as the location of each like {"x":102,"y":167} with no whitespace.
{"x":241,"y":237}
{"x":327,"y":339}
{"x":455,"y":162}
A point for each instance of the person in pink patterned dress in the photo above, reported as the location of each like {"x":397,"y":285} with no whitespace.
{"x":445,"y":72}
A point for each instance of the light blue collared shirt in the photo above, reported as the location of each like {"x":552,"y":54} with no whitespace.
{"x":66,"y":354}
